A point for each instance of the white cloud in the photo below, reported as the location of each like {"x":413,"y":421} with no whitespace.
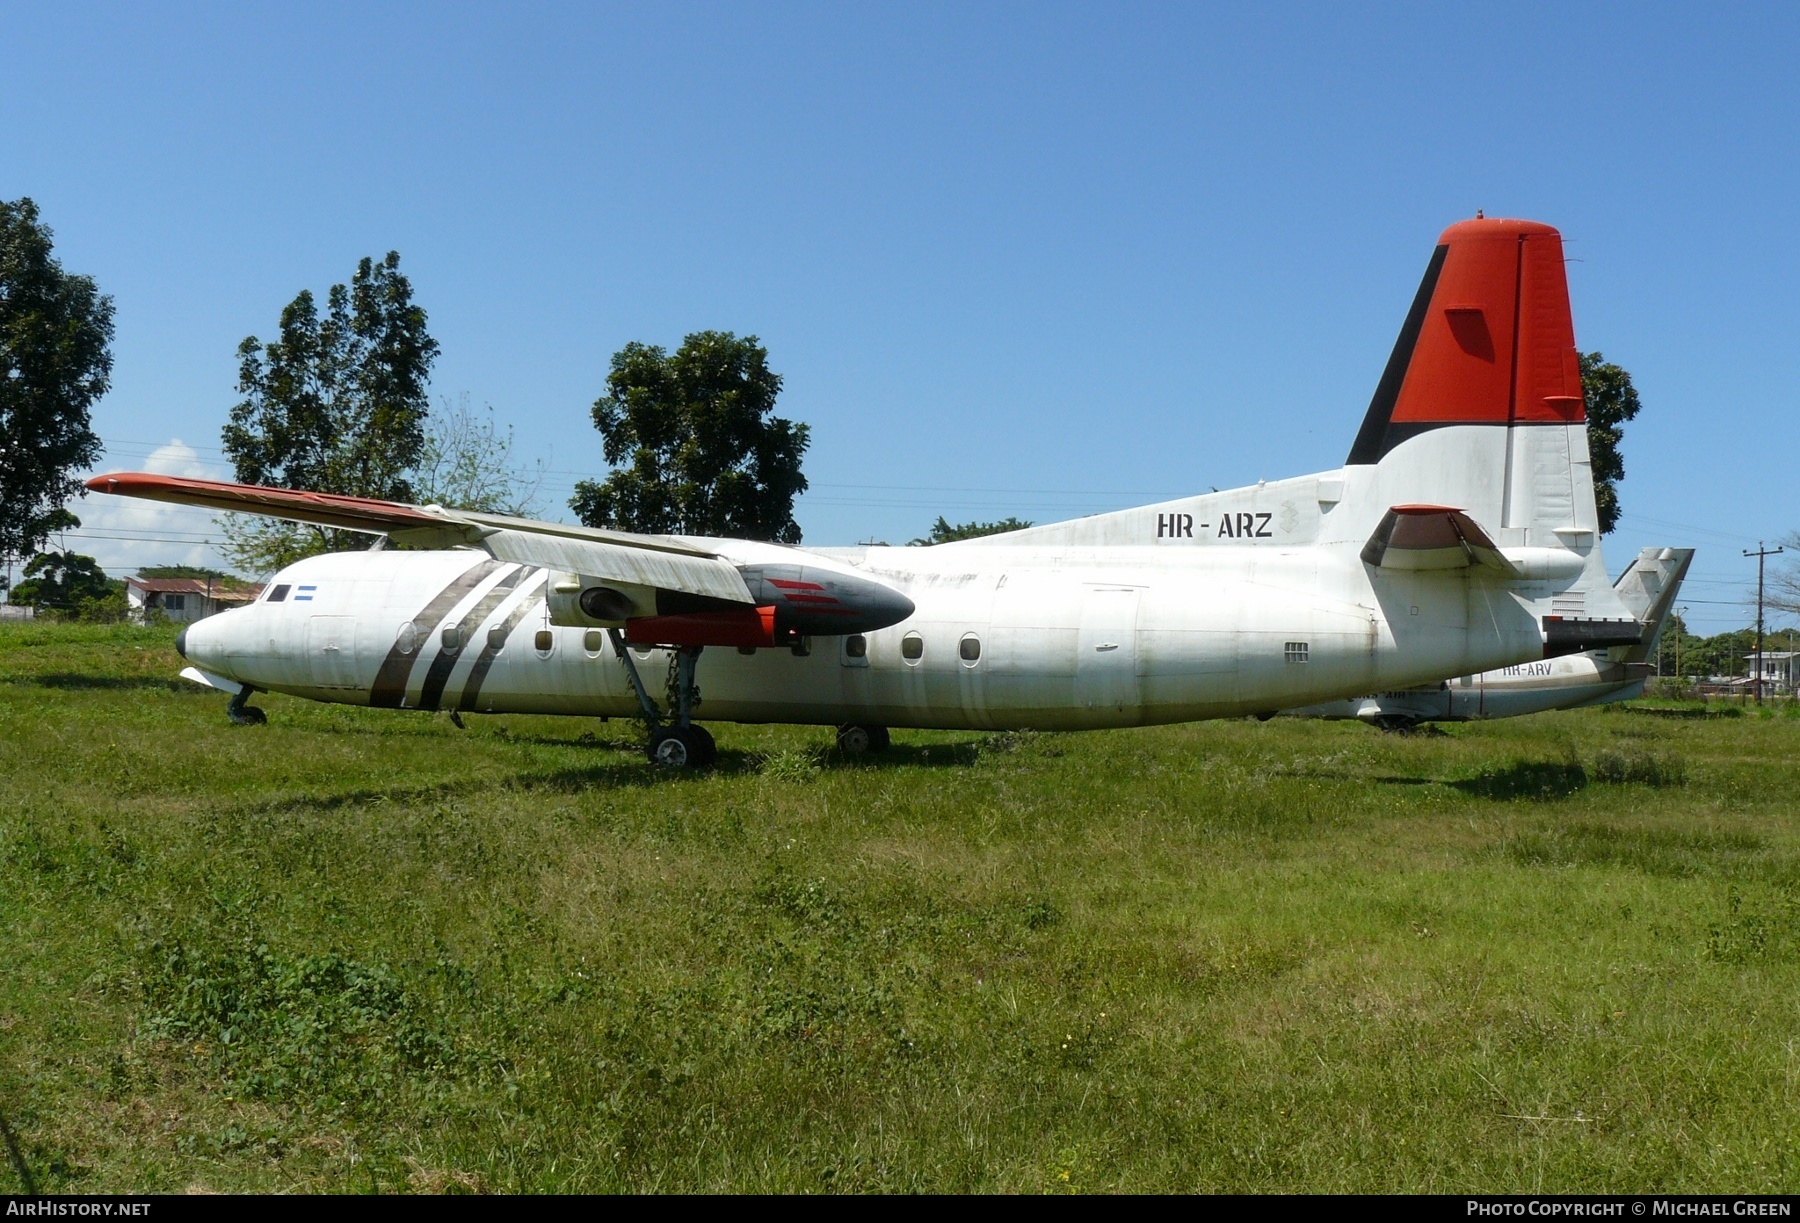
{"x":126,"y":533}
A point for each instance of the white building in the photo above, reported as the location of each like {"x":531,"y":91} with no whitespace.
{"x":1780,"y":669}
{"x":185,"y":599}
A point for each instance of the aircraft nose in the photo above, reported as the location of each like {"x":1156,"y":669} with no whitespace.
{"x":181,"y":642}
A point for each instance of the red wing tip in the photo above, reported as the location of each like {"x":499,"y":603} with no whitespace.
{"x":145,"y":482}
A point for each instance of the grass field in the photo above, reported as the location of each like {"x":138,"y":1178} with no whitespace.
{"x":363,"y":950}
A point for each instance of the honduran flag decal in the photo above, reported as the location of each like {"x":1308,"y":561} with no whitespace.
{"x":304,"y":594}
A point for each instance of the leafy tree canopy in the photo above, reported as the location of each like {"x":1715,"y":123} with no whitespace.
{"x":942,"y":532}
{"x":337,"y":404}
{"x":695,"y":448}
{"x":62,"y":580}
{"x":1611,"y":401}
{"x":196,"y":572}
{"x":55,"y":361}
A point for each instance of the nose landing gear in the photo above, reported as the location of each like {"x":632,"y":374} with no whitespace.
{"x":241,"y":712}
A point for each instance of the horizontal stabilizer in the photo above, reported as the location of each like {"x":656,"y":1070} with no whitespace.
{"x":1425,"y":537}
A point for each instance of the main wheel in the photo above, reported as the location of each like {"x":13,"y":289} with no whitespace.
{"x":861,"y":740}
{"x":246,"y":715}
{"x":682,"y":747}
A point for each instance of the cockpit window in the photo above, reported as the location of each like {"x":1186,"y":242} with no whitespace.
{"x":279,"y":593}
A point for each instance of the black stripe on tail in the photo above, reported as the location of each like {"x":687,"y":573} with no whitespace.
{"x":1371,"y":439}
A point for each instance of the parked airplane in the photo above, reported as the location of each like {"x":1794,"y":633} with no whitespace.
{"x":1593,"y":677}
{"x":1460,"y":536}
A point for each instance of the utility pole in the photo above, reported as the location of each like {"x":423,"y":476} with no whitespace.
{"x":1760,"y":554}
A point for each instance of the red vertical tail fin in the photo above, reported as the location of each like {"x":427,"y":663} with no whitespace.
{"x":1489,"y":340}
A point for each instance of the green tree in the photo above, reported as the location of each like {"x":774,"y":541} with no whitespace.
{"x":61,"y":580}
{"x":55,"y":361}
{"x":1611,"y":401}
{"x":942,"y":532}
{"x":694,"y":446}
{"x":338,"y":405}
{"x":197,"y":572}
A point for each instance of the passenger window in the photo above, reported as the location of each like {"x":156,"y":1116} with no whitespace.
{"x":407,"y":639}
{"x":497,"y":638}
{"x":970,"y":648}
{"x":545,"y":641}
{"x":453,"y":638}
{"x":856,"y":646}
{"x":912,"y":647}
{"x":590,"y":640}
{"x":279,"y":593}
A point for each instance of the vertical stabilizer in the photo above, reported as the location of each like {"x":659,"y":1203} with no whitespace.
{"x":1480,"y":405}
{"x":1648,"y":589}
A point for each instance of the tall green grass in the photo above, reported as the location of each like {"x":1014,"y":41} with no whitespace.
{"x":363,"y":950}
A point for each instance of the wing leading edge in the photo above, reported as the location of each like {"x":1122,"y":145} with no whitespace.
{"x":654,"y":561}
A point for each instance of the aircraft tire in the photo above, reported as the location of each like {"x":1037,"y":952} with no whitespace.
{"x":682,"y":747}
{"x":1397,"y":723}
{"x":247,"y":715}
{"x":862,"y":740}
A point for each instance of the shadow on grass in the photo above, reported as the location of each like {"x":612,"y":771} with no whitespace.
{"x":105,"y":682}
{"x":1729,"y":711}
{"x":789,"y":766}
{"x":1538,"y":781}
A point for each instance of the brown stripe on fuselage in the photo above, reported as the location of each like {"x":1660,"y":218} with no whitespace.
{"x":478,"y":673}
{"x":431,"y":696}
{"x":389,"y":689}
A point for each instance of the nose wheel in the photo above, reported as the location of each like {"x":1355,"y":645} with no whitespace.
{"x":241,"y":712}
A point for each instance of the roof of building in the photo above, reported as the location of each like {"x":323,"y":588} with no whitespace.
{"x":1769,"y":655}
{"x":223,"y":592}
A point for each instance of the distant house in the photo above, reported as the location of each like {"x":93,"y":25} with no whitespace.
{"x":1780,"y":669}
{"x":185,"y":599}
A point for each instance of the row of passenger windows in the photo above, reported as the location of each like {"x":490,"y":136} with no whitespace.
{"x":912,"y":647}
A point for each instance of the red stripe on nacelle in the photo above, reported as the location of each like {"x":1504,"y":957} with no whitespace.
{"x":750,"y":627}
{"x":783,"y":584}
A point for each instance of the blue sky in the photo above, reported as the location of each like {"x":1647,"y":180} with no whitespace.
{"x":1035,"y":259}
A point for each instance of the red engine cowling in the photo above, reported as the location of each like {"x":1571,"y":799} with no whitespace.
{"x":747,"y":628}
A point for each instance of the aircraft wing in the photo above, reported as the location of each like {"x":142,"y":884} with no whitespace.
{"x":658,"y":561}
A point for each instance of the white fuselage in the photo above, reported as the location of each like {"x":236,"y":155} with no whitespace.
{"x":1007,"y":637}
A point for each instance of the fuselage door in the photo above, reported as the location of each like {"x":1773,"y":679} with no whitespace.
{"x":1106,"y":649}
{"x":331,"y":651}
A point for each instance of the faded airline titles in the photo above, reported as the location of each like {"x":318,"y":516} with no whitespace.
{"x":1231,"y":526}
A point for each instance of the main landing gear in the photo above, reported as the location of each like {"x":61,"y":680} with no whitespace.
{"x":681,"y":744}
{"x":241,"y":712}
{"x":861,"y":740}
